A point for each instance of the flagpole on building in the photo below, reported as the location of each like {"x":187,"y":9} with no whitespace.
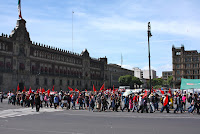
{"x":72,"y":30}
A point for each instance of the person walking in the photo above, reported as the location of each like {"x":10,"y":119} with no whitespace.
{"x":56,"y":101}
{"x":184,"y":102}
{"x":92,"y":103}
{"x":165,"y":104}
{"x":178,"y":102}
{"x":151,"y":102}
{"x":37,"y":102}
{"x":1,"y":96}
{"x":131,"y":102}
{"x":135,"y":103}
{"x":126,"y":104}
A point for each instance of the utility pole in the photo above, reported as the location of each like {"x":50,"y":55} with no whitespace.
{"x":149,"y":36}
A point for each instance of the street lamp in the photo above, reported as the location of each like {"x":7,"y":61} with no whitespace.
{"x":149,"y":35}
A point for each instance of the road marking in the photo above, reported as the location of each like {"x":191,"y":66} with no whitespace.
{"x":24,"y":111}
{"x":43,"y":131}
{"x":144,"y":115}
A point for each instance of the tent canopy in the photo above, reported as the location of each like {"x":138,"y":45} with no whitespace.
{"x":190,"y":83}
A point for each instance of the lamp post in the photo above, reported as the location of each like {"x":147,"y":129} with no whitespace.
{"x":149,"y":35}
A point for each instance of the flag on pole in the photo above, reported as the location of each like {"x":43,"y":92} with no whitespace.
{"x":30,"y":90}
{"x":102,"y":87}
{"x":48,"y":92}
{"x":19,"y":9}
{"x":18,"y":87}
{"x":70,"y":89}
{"x":162,"y":92}
{"x":165,"y":101}
{"x":94,"y":89}
{"x":53,"y":88}
{"x":43,"y":90}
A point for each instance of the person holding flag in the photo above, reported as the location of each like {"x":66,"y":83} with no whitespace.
{"x":165,"y":104}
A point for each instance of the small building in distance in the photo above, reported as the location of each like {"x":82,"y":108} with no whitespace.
{"x":166,"y":74}
{"x":146,"y":74}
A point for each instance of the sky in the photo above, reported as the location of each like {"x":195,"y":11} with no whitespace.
{"x":111,"y":28}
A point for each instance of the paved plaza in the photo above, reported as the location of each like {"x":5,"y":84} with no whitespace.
{"x":18,"y":120}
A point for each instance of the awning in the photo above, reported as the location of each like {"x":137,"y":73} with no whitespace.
{"x":190,"y":83}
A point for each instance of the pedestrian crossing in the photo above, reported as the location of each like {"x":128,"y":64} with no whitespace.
{"x":24,"y":111}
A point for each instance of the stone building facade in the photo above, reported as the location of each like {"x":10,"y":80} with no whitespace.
{"x":185,"y":65}
{"x":32,"y":64}
{"x":26,"y":63}
{"x":114,"y":72}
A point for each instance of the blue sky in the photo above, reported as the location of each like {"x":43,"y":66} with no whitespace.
{"x":111,"y":27}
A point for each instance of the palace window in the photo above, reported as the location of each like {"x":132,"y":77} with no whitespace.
{"x":68,"y":82}
{"x":45,"y":81}
{"x":53,"y":81}
{"x":77,"y":83}
{"x":60,"y":82}
{"x":37,"y":81}
{"x":21,"y":66}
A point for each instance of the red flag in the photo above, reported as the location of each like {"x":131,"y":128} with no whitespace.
{"x":102,"y":87}
{"x":24,"y":89}
{"x":162,"y":92}
{"x":165,"y":101}
{"x":38,"y":90}
{"x":13,"y":90}
{"x":43,"y":90}
{"x":145,"y":93}
{"x":18,"y":87}
{"x":170,"y":92}
{"x":152,"y":90}
{"x":71,"y":95}
{"x":48,"y":92}
{"x":94,"y":89}
{"x":76,"y":90}
{"x":53,"y":88}
{"x":30,"y":91}
{"x":70,"y":89}
{"x":86,"y":90}
{"x":113,"y":88}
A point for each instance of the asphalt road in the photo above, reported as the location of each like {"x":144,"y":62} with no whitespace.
{"x":85,"y":122}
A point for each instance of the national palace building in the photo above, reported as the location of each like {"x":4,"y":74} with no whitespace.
{"x":27,"y":63}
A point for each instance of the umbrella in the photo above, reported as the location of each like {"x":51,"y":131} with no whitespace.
{"x":127,"y":93}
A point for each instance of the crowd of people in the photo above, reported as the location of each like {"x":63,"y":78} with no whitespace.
{"x":143,"y":101}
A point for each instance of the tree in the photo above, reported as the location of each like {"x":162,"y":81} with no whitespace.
{"x":125,"y":80}
{"x":170,"y":81}
{"x":130,"y":80}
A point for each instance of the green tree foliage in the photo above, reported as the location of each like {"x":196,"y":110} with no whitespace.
{"x":129,"y":80}
{"x":170,"y":81}
{"x":157,"y":81}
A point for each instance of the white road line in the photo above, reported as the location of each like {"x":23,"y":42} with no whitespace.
{"x":135,"y":116}
{"x":43,"y":131}
{"x":24,"y":111}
